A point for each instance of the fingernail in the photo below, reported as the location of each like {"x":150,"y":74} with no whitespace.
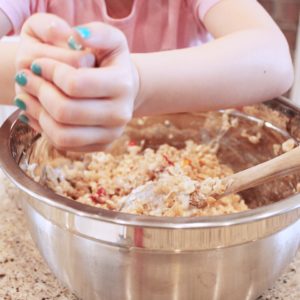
{"x":23,"y":119}
{"x":73,"y":44}
{"x":84,"y":32}
{"x":21,"y":104}
{"x":36,"y":69}
{"x":21,"y":78}
{"x":88,"y":61}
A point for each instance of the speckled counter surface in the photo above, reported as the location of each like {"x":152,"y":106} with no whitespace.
{"x":24,"y":275}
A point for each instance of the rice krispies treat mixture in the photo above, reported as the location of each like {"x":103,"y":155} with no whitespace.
{"x":140,"y":180}
{"x":162,"y":182}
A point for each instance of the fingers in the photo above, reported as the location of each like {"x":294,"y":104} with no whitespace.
{"x":30,"y":109}
{"x":77,"y":59}
{"x":29,"y":105}
{"x":45,"y":35}
{"x":85,"y":82}
{"x":51,"y":29}
{"x":98,"y":35}
{"x":79,"y":107}
{"x":83,"y":149}
{"x":62,"y":136}
{"x":65,"y":137}
{"x":87,"y":112}
{"x":72,"y":137}
{"x":47,"y":28}
{"x":33,"y":123}
{"x":107,"y":43}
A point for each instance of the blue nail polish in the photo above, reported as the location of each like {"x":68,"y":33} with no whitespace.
{"x":36,"y":69}
{"x":23,"y":119}
{"x":84,"y":32}
{"x":73,"y":44}
{"x":21,"y":79}
{"x":20,"y":104}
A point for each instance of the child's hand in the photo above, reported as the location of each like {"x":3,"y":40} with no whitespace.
{"x":44,"y":35}
{"x":84,"y":109}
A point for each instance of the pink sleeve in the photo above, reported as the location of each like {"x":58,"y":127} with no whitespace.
{"x":201,"y":7}
{"x":19,"y":10}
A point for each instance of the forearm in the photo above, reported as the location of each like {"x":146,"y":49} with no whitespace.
{"x":242,"y":68}
{"x":7,"y":62}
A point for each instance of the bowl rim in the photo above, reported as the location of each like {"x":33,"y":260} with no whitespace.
{"x":47,"y":196}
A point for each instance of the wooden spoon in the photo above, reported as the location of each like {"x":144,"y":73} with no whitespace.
{"x":281,"y":165}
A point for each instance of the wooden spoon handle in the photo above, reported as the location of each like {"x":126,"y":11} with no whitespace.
{"x":282,"y":165}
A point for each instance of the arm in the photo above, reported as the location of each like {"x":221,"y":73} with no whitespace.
{"x":248,"y":62}
{"x":7,"y":62}
{"x":5,"y":24}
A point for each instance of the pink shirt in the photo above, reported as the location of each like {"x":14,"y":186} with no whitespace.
{"x":152,"y":25}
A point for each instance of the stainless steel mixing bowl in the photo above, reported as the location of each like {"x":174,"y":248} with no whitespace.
{"x":107,"y":255}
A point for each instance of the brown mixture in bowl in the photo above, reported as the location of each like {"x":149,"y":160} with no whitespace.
{"x":105,"y":180}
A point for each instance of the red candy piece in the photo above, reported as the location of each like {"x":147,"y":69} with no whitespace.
{"x":97,"y":197}
{"x":168,"y":160}
{"x":97,"y":200}
{"x":132,"y":143}
{"x":101,"y":192}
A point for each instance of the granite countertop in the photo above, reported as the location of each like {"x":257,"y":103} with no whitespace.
{"x":24,"y":275}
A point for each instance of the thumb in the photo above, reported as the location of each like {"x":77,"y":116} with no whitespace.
{"x":98,"y":36}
